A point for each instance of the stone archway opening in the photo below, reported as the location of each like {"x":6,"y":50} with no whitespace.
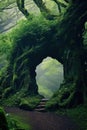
{"x":49,"y":76}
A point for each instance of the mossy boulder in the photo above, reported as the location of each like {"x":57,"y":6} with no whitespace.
{"x":29,"y":103}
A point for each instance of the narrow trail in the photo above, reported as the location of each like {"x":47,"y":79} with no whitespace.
{"x":45,"y":120}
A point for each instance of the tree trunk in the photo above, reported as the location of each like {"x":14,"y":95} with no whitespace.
{"x":73,"y":91}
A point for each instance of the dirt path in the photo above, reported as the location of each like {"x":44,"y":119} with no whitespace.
{"x":44,"y":121}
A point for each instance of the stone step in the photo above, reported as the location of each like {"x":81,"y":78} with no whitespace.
{"x":40,"y":110}
{"x":42,"y":103}
{"x":40,"y":106}
{"x":44,"y":99}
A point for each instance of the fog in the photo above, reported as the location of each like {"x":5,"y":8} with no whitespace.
{"x":49,"y":76}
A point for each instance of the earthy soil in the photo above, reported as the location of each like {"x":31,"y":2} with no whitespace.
{"x":44,"y":120}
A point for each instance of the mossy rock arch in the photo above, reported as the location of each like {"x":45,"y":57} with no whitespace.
{"x":29,"y":51}
{"x":62,"y":40}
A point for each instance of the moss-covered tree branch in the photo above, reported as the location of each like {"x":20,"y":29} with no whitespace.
{"x":21,"y":6}
{"x":40,"y":4}
{"x":60,"y":4}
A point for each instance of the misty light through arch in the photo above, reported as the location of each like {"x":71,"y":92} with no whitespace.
{"x":49,"y":76}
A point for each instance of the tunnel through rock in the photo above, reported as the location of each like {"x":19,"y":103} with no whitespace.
{"x":49,"y":76}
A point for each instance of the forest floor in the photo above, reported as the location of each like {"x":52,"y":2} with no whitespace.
{"x":44,"y":120}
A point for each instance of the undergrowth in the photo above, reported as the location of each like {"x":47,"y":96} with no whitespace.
{"x":21,"y":101}
{"x":17,"y":123}
{"x":29,"y":103}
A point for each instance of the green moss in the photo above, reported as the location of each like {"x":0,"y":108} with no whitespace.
{"x":29,"y":103}
{"x":8,"y":91}
{"x":52,"y":104}
{"x":26,"y":42}
{"x":13,"y":99}
{"x":17,"y":122}
{"x":5,"y":44}
{"x":36,"y":39}
{"x":63,"y":97}
{"x":22,"y":100}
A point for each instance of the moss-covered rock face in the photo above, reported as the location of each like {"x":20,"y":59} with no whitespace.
{"x":38,"y":38}
{"x":31,"y":44}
